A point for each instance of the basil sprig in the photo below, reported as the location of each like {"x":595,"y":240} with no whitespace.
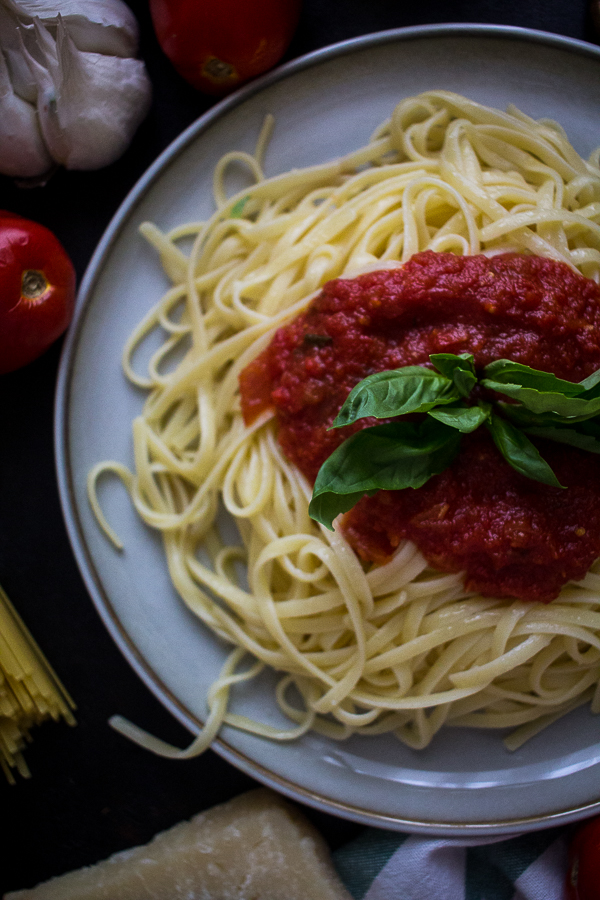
{"x":399,"y":455}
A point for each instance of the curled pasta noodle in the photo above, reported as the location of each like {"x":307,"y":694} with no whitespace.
{"x":359,"y":649}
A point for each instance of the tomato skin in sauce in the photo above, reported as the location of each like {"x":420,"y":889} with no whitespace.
{"x":512,"y":536}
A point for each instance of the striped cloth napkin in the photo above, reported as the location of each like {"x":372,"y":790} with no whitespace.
{"x":386,"y":865}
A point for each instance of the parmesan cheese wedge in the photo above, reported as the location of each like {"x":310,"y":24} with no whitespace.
{"x":254,"y":847}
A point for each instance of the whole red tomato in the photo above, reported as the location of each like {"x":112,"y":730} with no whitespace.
{"x":37,"y":290}
{"x":583,"y":882}
{"x":219,"y":45}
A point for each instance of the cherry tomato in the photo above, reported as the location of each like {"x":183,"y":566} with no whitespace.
{"x":217,"y":46}
{"x":583,"y":882}
{"x":37,"y":290}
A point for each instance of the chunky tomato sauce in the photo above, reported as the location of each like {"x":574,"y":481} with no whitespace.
{"x":513,"y":537}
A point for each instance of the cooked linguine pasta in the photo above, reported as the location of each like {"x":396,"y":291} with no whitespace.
{"x":369,"y":649}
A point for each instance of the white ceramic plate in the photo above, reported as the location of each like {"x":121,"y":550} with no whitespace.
{"x":325,"y":104}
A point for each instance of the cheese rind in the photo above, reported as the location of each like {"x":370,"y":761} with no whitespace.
{"x":254,"y":847}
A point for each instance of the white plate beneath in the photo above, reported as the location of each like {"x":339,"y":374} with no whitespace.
{"x":325,"y":104}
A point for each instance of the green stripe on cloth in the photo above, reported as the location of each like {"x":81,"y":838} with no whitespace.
{"x":359,"y":862}
{"x":484,"y":882}
{"x":493,"y":869}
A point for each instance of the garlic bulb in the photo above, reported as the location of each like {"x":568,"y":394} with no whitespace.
{"x":23,"y":152}
{"x":71,"y":91}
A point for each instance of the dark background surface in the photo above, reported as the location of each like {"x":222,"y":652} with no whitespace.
{"x":92,"y":792}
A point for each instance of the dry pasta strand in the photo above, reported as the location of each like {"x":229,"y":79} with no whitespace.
{"x":30,"y":691}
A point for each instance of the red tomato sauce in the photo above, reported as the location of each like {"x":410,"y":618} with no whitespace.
{"x":513,"y":537}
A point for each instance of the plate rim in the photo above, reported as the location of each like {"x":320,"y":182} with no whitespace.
{"x":64,"y":474}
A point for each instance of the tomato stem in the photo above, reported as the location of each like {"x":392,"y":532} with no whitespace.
{"x":218,"y":70}
{"x":33,"y":284}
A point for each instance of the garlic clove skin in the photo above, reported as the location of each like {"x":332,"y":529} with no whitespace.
{"x":23,"y":153}
{"x":99,"y":26}
{"x":23,"y":84}
{"x":89,"y":105}
{"x":39,"y":42}
{"x":11,"y":44}
{"x":44,"y":70}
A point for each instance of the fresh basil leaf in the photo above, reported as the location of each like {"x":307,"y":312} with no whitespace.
{"x":238,"y":208}
{"x":383,"y":395}
{"x":464,"y":418}
{"x":464,"y":381}
{"x":327,"y":506}
{"x":390,"y":457}
{"x":460,"y":368}
{"x":447,"y":363}
{"x":505,"y":371}
{"x":520,"y":453}
{"x":544,"y":402}
{"x":585,"y":436}
{"x":525,"y":418}
{"x":589,"y":426}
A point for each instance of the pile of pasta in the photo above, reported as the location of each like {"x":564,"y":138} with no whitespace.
{"x":370,"y":649}
{"x":30,"y":691}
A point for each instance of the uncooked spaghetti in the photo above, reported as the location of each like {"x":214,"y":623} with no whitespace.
{"x":30,"y":691}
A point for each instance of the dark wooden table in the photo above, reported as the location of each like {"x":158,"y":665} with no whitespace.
{"x":92,"y":792}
